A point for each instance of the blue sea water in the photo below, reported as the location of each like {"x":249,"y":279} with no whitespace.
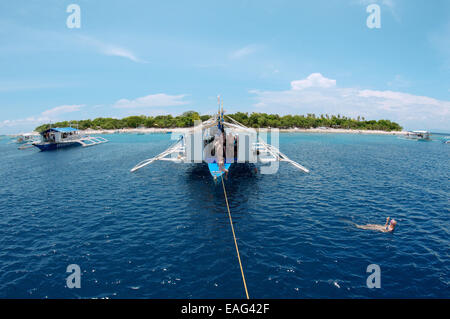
{"x":164,"y":232}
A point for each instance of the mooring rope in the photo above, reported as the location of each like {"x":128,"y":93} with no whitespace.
{"x":234,"y":236}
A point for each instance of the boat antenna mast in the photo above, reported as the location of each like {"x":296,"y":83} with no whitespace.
{"x":218,"y":103}
{"x":220,"y":112}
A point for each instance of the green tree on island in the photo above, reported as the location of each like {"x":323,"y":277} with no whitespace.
{"x":255,"y":120}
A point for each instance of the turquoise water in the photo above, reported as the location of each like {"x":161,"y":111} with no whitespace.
{"x":163,"y":232}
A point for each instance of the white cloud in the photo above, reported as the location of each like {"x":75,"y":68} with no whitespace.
{"x":21,"y":125}
{"x":313,"y":80}
{"x":121,"y":52}
{"x":54,"y":114}
{"x":61,"y":110}
{"x":28,"y":120}
{"x":45,"y":117}
{"x":32,"y":39}
{"x":323,"y":97}
{"x":152,"y":100}
{"x":110,"y":49}
{"x":245,"y":51}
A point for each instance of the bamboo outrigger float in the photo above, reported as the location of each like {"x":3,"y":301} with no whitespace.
{"x":240,"y":144}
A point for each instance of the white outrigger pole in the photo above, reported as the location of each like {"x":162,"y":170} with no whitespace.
{"x":271,"y":152}
{"x":177,"y":153}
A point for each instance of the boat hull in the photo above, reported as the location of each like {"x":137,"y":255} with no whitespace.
{"x":54,"y":146}
{"x":215,"y":171}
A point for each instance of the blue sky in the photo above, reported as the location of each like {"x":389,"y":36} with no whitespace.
{"x":166,"y":57}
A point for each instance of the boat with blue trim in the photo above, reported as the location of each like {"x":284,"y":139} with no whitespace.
{"x":61,"y":137}
{"x":221,"y":143}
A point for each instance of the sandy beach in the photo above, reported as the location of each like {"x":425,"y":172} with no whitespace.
{"x":293,"y":130}
{"x":180,"y":130}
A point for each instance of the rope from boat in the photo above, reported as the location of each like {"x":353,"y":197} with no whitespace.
{"x":234,"y":236}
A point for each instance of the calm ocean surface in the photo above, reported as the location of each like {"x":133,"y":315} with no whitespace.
{"x":164,"y":232}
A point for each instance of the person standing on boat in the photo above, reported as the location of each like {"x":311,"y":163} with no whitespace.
{"x":218,"y":146}
{"x":229,"y":148}
{"x":387,"y":228}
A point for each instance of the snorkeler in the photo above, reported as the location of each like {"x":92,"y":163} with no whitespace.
{"x":387,"y":228}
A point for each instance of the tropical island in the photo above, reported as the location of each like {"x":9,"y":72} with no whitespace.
{"x":254,"y":120}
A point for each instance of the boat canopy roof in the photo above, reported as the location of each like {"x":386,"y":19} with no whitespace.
{"x":424,"y":132}
{"x":61,"y":129}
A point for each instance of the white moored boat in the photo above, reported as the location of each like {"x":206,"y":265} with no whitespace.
{"x":26,"y":138}
{"x":240,"y":145}
{"x":59,"y":137}
{"x":419,"y":135}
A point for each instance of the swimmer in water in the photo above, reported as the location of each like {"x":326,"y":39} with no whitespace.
{"x":387,"y":228}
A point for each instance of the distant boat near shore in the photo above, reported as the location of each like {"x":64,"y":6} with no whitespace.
{"x":26,"y":138}
{"x":419,"y":135}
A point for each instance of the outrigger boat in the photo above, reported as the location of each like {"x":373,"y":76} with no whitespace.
{"x":59,"y":137}
{"x":418,"y":135}
{"x":26,"y":138}
{"x":241,"y":145}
